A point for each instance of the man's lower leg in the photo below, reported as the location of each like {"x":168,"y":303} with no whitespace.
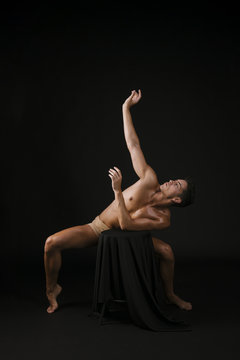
{"x":52,"y":262}
{"x":167,"y":273}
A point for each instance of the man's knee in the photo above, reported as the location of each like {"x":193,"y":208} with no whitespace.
{"x":165,"y":251}
{"x":51,"y":243}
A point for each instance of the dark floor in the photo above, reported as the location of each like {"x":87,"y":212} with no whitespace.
{"x":29,"y":332}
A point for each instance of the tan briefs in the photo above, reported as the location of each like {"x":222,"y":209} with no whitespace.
{"x":98,"y":226}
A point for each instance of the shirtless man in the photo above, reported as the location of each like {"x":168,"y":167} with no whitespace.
{"x":142,"y":206}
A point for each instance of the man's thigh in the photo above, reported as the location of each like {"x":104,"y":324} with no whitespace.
{"x":81,"y":236}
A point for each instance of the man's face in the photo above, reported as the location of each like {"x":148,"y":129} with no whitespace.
{"x":172,"y":189}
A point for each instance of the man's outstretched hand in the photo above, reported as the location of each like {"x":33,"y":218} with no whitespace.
{"x":133,"y":99}
{"x":116,"y":176}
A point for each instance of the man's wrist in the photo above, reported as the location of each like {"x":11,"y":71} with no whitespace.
{"x":126,"y":106}
{"x":117,"y":192}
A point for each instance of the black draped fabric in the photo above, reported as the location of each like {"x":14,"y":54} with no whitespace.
{"x":127,"y":268}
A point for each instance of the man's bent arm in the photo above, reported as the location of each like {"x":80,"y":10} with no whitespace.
{"x":123,"y":215}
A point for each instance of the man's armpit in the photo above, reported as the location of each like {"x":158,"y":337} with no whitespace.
{"x":150,"y":177}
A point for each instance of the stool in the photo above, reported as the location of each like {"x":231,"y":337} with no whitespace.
{"x":126,"y":274}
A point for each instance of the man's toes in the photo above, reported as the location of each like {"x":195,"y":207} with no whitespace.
{"x":186,"y":306}
{"x":51,"y":309}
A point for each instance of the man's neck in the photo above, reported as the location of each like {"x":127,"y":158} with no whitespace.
{"x":160,"y":201}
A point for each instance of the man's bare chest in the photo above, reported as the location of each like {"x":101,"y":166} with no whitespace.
{"x":146,"y":211}
{"x":140,"y":202}
{"x":136,"y":197}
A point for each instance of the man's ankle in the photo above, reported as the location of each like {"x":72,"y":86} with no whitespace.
{"x":50,"y":290}
{"x":169,"y":294}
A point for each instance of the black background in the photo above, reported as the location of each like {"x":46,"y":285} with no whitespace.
{"x":65,"y":73}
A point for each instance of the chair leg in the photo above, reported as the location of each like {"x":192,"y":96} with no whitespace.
{"x":105,"y":307}
{"x":102,"y":313}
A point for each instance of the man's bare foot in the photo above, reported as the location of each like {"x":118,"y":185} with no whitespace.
{"x":174,"y":299}
{"x":52,"y":296}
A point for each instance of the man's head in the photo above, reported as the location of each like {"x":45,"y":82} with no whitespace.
{"x":181,"y":192}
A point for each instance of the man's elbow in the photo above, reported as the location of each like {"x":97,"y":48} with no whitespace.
{"x":164,"y":225}
{"x":123,"y":227}
{"x":133,"y":143}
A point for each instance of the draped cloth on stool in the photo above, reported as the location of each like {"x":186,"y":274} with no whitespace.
{"x":127,"y":268}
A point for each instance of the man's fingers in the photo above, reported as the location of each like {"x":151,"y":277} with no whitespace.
{"x":119,"y":171}
{"x":115,"y":169}
{"x":113,"y":172}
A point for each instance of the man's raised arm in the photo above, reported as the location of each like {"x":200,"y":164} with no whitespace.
{"x":129,"y":130}
{"x":138,"y":160}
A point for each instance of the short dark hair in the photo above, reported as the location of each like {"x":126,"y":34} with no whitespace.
{"x":188,"y":195}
